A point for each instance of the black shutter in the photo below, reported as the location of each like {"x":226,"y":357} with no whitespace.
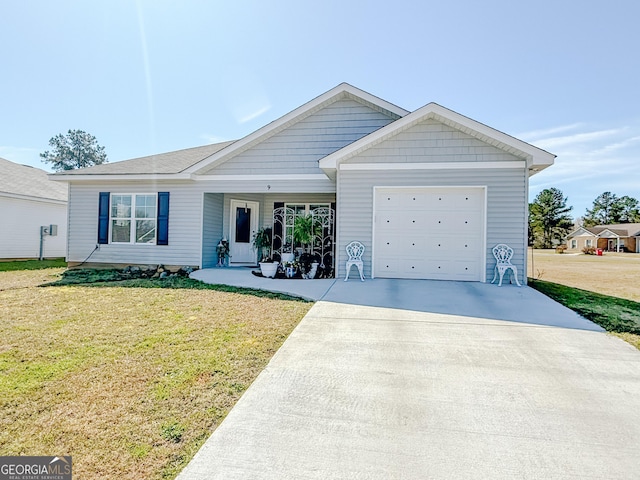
{"x":277,"y":229}
{"x":163,"y":218}
{"x":103,"y":218}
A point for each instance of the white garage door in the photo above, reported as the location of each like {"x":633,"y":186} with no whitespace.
{"x":430,"y":233}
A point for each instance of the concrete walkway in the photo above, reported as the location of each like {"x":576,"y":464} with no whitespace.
{"x":366,"y":390}
{"x":242,"y":277}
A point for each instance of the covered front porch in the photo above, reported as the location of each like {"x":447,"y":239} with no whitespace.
{"x":236,"y":217}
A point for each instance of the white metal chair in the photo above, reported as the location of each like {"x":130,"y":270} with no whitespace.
{"x":503,"y":254}
{"x":355,"y":251}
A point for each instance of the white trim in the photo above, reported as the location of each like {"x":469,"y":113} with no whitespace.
{"x":483,"y":276}
{"x":255,"y":222}
{"x":202,"y":230}
{"x":119,"y":177}
{"x":536,"y":157}
{"x":273,"y":177}
{"x":133,"y":219}
{"x":432,"y":166}
{"x":344,"y":90}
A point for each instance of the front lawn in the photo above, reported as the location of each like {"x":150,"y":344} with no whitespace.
{"x":128,"y":380}
{"x":616,"y":315}
{"x":15,"y":265}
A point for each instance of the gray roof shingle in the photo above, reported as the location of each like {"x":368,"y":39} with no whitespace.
{"x":16,"y":179}
{"x":163,"y":163}
{"x":620,"y":229}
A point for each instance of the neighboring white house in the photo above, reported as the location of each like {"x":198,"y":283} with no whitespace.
{"x":428,"y":193}
{"x":28,"y":201}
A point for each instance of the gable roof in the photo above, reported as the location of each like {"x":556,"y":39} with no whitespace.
{"x":342,"y":91}
{"x":23,"y":181}
{"x":169,"y":163}
{"x":581,"y":231}
{"x":619,"y":229}
{"x":537,"y":159}
{"x":616,"y":230}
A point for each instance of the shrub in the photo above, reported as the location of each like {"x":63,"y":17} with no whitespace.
{"x":589,"y":250}
{"x":561,"y":248}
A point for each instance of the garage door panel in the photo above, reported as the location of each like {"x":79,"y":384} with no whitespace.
{"x":435,"y":233}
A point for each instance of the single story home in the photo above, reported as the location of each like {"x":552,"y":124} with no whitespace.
{"x":428,"y":193}
{"x":30,"y":201}
{"x":620,"y":237}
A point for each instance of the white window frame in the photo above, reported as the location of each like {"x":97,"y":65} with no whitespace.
{"x":574,"y":244}
{"x":307,"y":206}
{"x":133,"y":219}
{"x":588,"y":242}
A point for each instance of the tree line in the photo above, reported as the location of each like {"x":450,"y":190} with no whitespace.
{"x":550,"y":221}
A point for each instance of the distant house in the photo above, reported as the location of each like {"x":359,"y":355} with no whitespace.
{"x":428,"y":193}
{"x":621,"y":237}
{"x":28,"y":201}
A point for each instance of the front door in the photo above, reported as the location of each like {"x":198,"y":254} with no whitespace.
{"x":243,"y":225}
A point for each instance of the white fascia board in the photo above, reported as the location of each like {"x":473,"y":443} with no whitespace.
{"x":537,"y":159}
{"x":291,"y":118}
{"x":272,"y":177}
{"x":119,"y":177}
{"x":32,"y":198}
{"x":432,"y":166}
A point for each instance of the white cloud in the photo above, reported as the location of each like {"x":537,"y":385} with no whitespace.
{"x":590,"y":161}
{"x":536,"y":134}
{"x":576,"y":139}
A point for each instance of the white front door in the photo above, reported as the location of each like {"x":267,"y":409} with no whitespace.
{"x":243,"y":223}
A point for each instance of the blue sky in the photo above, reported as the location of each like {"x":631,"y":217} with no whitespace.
{"x":152,"y":76}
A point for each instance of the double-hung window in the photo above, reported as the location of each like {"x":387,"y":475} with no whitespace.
{"x":133,"y":218}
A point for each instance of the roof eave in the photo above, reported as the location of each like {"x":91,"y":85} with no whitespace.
{"x":57,"y":177}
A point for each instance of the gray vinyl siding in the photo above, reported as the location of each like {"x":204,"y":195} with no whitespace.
{"x":198,"y":219}
{"x":505,"y":210}
{"x":185,"y":231}
{"x":298,"y":148}
{"x":431,"y":141}
{"x":212,"y":230}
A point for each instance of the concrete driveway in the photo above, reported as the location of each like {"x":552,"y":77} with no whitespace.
{"x":440,"y":380}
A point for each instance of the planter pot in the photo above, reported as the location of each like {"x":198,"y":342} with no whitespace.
{"x":312,"y":273}
{"x":268,"y":269}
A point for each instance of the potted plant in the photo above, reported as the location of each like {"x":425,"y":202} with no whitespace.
{"x":304,"y":233}
{"x":262,"y":243}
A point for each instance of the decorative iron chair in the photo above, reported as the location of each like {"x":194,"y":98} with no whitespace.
{"x":355,"y":251}
{"x":503,"y":254}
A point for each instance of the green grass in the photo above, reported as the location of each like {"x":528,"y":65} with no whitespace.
{"x":113,"y":278}
{"x":611,"y":313}
{"x":133,"y":377}
{"x":13,"y":266}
